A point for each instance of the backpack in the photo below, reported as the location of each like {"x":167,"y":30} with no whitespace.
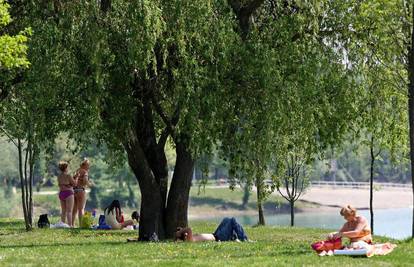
{"x":102,"y":224}
{"x":43,"y":221}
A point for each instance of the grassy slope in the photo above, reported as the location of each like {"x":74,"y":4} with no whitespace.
{"x":274,"y":247}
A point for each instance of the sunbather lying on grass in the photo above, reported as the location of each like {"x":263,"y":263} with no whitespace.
{"x":228,"y":230}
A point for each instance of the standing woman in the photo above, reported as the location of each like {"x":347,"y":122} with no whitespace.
{"x":82,"y":178}
{"x":66,"y":183}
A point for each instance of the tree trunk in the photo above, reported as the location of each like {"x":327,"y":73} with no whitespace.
{"x":246,"y":196}
{"x":32,"y":155}
{"x":259,"y":185}
{"x":152,"y":212}
{"x":292,"y":213}
{"x":177,"y":206}
{"x":22,"y":184}
{"x":152,"y":205}
{"x":371,"y":184}
{"x":411,"y":107}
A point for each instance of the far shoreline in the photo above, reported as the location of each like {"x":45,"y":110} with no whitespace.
{"x":326,"y":200}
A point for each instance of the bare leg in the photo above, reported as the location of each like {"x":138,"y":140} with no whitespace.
{"x":63,"y":214}
{"x":75,"y":208}
{"x":69,"y":209}
{"x":81,"y":203}
{"x":127,"y":223}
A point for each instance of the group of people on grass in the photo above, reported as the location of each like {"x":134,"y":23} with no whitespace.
{"x":356,"y":228}
{"x":72,"y":197}
{"x":72,"y":193}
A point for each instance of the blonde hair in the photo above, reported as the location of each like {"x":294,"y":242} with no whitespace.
{"x":85,"y":162}
{"x":348,"y":210}
{"x":63,"y":165}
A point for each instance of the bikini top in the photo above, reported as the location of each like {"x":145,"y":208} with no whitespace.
{"x":82,"y":176}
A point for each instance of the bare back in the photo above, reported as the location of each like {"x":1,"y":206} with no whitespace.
{"x":65,"y":182}
{"x":83,"y":177}
{"x":203,"y":237}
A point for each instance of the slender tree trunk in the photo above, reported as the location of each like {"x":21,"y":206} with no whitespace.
{"x":411,"y":107}
{"x":292,"y":213}
{"x":26,"y":182}
{"x":246,"y":196}
{"x":371,"y":184}
{"x":259,"y":187}
{"x":178,"y":196}
{"x":32,"y":154}
{"x":22,"y":184}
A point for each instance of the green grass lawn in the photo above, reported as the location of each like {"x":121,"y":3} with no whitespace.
{"x":274,"y":246}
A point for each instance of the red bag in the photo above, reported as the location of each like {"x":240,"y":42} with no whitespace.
{"x":122,"y":219}
{"x":327,"y":245}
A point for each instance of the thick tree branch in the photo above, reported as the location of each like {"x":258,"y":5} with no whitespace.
{"x":244,"y":14}
{"x":235,"y":5}
{"x":3,"y":94}
{"x":253,"y":6}
{"x":161,"y":113}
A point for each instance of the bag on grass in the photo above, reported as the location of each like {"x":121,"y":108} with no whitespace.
{"x":102,"y":224}
{"x":327,"y":245}
{"x":87,"y":220}
{"x":43,"y":221}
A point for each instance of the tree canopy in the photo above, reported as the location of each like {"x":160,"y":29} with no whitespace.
{"x":255,"y":80}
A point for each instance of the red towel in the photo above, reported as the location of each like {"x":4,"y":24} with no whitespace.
{"x":327,"y":245}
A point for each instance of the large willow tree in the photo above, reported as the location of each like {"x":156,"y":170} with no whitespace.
{"x":139,"y":74}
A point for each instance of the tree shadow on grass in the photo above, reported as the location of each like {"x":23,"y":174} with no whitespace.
{"x":12,"y":224}
{"x":63,"y":244}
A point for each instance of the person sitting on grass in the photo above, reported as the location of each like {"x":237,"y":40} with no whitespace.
{"x":114,"y":216}
{"x":356,"y":228}
{"x":228,"y":230}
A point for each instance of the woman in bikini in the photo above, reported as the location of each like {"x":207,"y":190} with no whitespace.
{"x":79,"y":190}
{"x":356,"y":228}
{"x":66,"y":183}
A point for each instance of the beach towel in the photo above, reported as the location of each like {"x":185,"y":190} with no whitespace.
{"x":59,"y":225}
{"x":371,"y":250}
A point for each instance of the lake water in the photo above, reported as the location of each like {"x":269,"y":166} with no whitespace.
{"x":395,"y":223}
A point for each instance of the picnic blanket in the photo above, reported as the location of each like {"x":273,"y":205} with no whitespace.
{"x":371,"y":250}
{"x":383,"y":249}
